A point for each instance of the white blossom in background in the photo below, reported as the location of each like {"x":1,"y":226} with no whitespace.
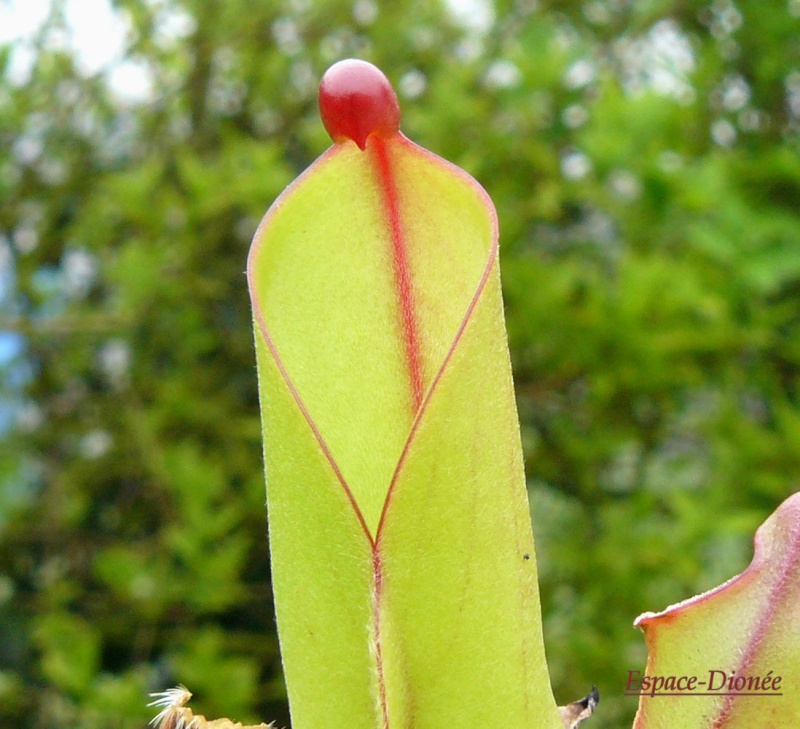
{"x":95,"y":444}
{"x":659,"y":61}
{"x":267,"y":120}
{"x":114,"y":358}
{"x":473,"y":15}
{"x":412,"y":84}
{"x":580,"y":74}
{"x":20,"y":19}
{"x":79,"y":271}
{"x":598,"y":227}
{"x":574,"y":116}
{"x":733,"y":93}
{"x":722,"y":18}
{"x":130,"y":81}
{"x":286,"y":33}
{"x":52,"y":171}
{"x":96,"y":34}
{"x":304,"y":79}
{"x":6,"y":267}
{"x":299,"y":7}
{"x":27,"y":149}
{"x":625,"y":185}
{"x":19,"y":22}
{"x":424,"y":38}
{"x":172,"y":24}
{"x":575,"y":165}
{"x":502,"y":74}
{"x":597,"y":12}
{"x":468,"y":49}
{"x":95,"y":51}
{"x":792,"y":84}
{"x":26,"y":239}
{"x":723,"y":133}
{"x":365,"y":12}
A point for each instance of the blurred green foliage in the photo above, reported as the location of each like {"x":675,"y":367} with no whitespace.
{"x":644,"y":160}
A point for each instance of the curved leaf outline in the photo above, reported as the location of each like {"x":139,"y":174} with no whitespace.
{"x":263,"y":328}
{"x":747,"y":629}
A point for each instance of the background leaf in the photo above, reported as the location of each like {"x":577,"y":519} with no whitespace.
{"x":745,"y":631}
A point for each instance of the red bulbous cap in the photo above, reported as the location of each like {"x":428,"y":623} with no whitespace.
{"x":356,"y":100}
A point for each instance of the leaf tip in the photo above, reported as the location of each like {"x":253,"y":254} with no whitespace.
{"x":776,"y":551}
{"x":357,"y":100}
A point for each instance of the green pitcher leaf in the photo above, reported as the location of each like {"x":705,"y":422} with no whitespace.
{"x":739,"y":642}
{"x":402,"y":553}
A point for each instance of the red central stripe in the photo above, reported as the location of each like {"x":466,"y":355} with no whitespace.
{"x":401,"y":270}
{"x":377,"y":574}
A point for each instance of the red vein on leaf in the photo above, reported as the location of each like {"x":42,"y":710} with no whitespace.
{"x":377,"y":563}
{"x":312,"y":425}
{"x":377,"y":570}
{"x":401,"y":269}
{"x":412,"y":349}
{"x":434,"y":384}
{"x":377,"y":574}
{"x":424,"y":406}
{"x":262,"y":327}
